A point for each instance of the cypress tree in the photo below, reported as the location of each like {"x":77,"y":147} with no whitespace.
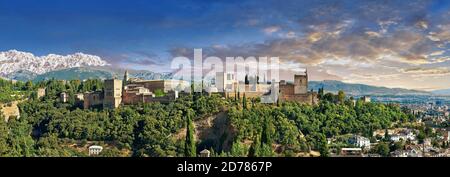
{"x":321,"y":93}
{"x":239,"y":95}
{"x":244,"y":102}
{"x":386,"y":135}
{"x":266,"y":138}
{"x":189,"y":145}
{"x":255,"y":147}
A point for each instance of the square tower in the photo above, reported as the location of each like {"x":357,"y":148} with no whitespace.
{"x":301,"y":84}
{"x":113,"y":93}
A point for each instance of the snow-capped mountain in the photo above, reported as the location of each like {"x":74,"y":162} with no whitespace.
{"x":13,"y":61}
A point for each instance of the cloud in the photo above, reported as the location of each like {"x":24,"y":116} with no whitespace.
{"x":350,"y":40}
{"x":441,"y":71}
{"x":289,"y":35}
{"x":422,"y":24}
{"x":271,"y":29}
{"x":134,"y":59}
{"x":437,"y":53}
{"x":373,"y":34}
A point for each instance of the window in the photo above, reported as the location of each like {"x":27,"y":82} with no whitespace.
{"x":229,"y":76}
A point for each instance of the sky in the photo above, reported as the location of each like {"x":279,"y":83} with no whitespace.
{"x":391,"y":43}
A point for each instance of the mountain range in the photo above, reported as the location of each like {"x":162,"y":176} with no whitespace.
{"x":18,"y":62}
{"x":23,"y":66}
{"x":441,"y":92}
{"x":361,"y":89}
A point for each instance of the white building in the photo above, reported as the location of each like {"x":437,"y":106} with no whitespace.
{"x":64,"y":97}
{"x":414,"y":153}
{"x":366,"y":99}
{"x":360,"y":141}
{"x":408,"y":135}
{"x":79,"y":97}
{"x":205,"y":153}
{"x":95,"y":150}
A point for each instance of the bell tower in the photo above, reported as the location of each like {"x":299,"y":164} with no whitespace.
{"x":126,"y":77}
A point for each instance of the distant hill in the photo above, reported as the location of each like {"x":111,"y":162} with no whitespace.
{"x":442,"y":92}
{"x":361,"y":89}
{"x":74,"y":73}
{"x":21,"y":75}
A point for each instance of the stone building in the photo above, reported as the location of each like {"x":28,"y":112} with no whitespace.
{"x":298,"y":91}
{"x":93,"y":99}
{"x":134,"y":91}
{"x":113,"y":93}
{"x":40,"y":92}
{"x":133,"y":94}
{"x":163,"y":85}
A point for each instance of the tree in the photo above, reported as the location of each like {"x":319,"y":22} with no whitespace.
{"x":321,"y":93}
{"x":189,"y":146}
{"x":255,"y":147}
{"x":400,"y":145}
{"x":113,"y":152}
{"x":323,"y":149}
{"x":382,"y":149}
{"x":341,"y":97}
{"x":266,"y":137}
{"x":3,"y":136}
{"x":29,"y":86}
{"x":428,"y":131}
{"x":238,"y":149}
{"x":22,"y":144}
{"x":386,"y":135}
{"x":33,"y":95}
{"x":244,"y":102}
{"x":159,"y":93}
{"x":421,"y":137}
{"x":329,"y":97}
{"x":266,"y":150}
